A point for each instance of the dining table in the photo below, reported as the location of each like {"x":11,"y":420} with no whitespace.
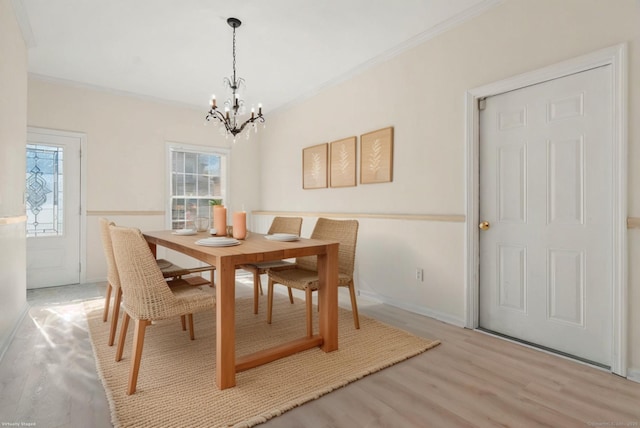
{"x":255,"y":249}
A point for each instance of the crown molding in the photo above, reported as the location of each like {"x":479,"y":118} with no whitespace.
{"x":111,"y":91}
{"x":22,"y":17}
{"x":416,"y":40}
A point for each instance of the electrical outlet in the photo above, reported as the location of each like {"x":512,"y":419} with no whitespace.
{"x":419,"y":274}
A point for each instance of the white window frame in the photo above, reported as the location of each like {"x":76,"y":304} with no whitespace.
{"x":182,"y":147}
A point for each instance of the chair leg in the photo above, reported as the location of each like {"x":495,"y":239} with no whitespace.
{"x":184,"y":323}
{"x":256,"y":286}
{"x":123,"y":336}
{"x":354,"y":305}
{"x":114,"y":316}
{"x":138,"y":342}
{"x":269,"y":300}
{"x":192,"y":335}
{"x":107,"y":300}
{"x":309,"y":304}
{"x":290,"y":295}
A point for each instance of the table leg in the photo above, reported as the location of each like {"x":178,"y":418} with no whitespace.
{"x":225,"y":324}
{"x":154,"y":249}
{"x":328,"y":297}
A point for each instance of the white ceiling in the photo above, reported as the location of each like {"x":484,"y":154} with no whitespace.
{"x":180,"y":50}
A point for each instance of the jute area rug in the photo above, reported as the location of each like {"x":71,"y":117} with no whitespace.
{"x":176,"y":384}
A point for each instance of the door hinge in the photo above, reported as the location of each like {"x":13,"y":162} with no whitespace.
{"x":482,"y":103}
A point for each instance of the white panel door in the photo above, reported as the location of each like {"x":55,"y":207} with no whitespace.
{"x":545,"y":174}
{"x":53,"y":208}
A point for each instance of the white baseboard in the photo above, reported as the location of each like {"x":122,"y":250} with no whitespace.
{"x":7,"y":341}
{"x":95,"y":280}
{"x":345,"y":301}
{"x":459,"y":322}
{"x":633,"y":374}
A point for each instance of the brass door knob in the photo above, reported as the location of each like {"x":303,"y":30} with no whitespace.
{"x":484,"y":225}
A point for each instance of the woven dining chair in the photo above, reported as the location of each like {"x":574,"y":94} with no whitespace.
{"x":168,"y":269}
{"x":291,"y":225}
{"x":304,"y":276}
{"x":147,"y":296}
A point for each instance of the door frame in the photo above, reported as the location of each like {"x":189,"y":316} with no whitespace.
{"x":615,"y":56}
{"x":82,"y":244}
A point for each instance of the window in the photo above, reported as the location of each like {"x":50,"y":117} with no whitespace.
{"x":44,"y":191}
{"x":196,"y":176}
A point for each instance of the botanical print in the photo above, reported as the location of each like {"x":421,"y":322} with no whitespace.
{"x":343,"y":159}
{"x":376,"y":156}
{"x":343,"y":162}
{"x":314,"y":167}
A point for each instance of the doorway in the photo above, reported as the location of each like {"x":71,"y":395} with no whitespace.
{"x":529,"y":277}
{"x":53,"y":197}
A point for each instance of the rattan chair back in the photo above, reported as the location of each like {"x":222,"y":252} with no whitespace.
{"x":112,"y":269}
{"x":291,"y":225}
{"x":147,"y":295}
{"x":343,"y":231}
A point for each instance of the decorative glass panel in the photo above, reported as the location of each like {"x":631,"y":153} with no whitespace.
{"x":45,"y":186}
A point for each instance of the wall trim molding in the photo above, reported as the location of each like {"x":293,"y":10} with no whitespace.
{"x":450,"y":218}
{"x":124,"y":213}
{"x":633,"y":222}
{"x":13,"y":219}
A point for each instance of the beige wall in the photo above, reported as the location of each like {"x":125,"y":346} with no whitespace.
{"x":126,"y":155}
{"x":13,"y":113}
{"x":421,"y":93}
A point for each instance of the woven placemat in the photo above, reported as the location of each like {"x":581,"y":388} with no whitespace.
{"x":176,"y":385}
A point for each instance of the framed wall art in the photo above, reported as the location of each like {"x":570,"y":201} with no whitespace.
{"x":376,"y":156}
{"x":314,"y":167}
{"x":343,"y":163}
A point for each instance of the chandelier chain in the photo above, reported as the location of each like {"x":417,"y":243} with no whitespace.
{"x":235,"y":84}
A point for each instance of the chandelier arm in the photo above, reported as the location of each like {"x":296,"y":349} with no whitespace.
{"x":216,"y":114}
{"x":236,"y":131}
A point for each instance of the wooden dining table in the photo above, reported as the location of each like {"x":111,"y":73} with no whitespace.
{"x":254,"y":249}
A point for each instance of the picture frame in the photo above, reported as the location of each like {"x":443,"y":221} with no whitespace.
{"x":376,"y":156}
{"x":314,"y":166}
{"x":343,"y":163}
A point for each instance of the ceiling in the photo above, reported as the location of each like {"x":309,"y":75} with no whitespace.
{"x":180,"y":50}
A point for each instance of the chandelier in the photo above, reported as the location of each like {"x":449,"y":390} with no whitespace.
{"x":234,"y":107}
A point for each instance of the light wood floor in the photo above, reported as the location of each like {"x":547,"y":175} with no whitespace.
{"x":48,"y":378}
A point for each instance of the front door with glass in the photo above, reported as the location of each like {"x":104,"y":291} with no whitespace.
{"x":53,"y":208}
